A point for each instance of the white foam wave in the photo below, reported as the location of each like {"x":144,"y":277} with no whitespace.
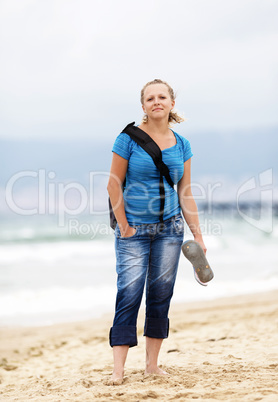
{"x":55,"y":304}
{"x":47,"y":282}
{"x":187,"y":291}
{"x":47,"y":252}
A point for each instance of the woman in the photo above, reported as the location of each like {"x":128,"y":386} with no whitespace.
{"x":147,"y":251}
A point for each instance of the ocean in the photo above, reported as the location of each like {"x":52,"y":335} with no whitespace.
{"x":51,"y":274}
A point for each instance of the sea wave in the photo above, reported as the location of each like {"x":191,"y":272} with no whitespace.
{"x":44,"y":282}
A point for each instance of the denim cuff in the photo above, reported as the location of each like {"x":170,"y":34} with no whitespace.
{"x":156,"y":327}
{"x":123,"y":335}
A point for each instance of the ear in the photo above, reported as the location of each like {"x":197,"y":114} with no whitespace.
{"x":173,"y":104}
{"x":143,"y":107}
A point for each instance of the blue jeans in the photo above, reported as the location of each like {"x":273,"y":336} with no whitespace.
{"x":151,"y":255}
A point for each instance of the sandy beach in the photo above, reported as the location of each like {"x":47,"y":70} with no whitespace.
{"x":226,"y":349}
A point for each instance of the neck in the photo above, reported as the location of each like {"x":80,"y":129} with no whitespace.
{"x":160,"y":127}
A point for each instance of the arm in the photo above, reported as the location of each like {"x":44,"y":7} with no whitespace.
{"x":188,"y":204}
{"x":114,"y":188}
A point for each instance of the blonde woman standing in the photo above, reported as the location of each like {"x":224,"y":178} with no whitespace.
{"x":146,"y":251}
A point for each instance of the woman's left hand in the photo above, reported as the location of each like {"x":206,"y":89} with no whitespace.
{"x":201,"y":242}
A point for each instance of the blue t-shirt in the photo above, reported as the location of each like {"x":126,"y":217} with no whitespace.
{"x":141,"y":194}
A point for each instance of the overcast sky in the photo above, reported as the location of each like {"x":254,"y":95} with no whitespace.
{"x":75,"y":68}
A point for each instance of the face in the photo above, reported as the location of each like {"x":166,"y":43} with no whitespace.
{"x":157,"y":101}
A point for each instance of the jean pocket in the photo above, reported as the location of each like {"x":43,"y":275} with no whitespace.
{"x":179,"y":224}
{"x":118,"y":233}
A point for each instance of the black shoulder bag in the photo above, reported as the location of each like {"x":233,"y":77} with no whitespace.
{"x":151,"y":147}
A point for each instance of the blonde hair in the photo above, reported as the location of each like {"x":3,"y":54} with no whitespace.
{"x":174,"y":117}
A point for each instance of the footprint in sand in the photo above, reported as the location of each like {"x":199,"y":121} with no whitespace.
{"x":34,"y":352}
{"x":233,"y":357}
{"x":173,"y":350}
{"x":6,"y":366}
{"x":87,"y":383}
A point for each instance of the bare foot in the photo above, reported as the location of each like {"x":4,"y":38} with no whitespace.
{"x":116,"y":379}
{"x":155,"y":370}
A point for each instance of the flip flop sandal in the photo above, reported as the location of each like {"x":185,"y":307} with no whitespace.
{"x":193,"y":251}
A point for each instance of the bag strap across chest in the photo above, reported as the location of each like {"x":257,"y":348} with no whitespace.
{"x":150,"y":146}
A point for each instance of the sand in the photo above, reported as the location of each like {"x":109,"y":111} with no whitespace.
{"x":219,"y":350}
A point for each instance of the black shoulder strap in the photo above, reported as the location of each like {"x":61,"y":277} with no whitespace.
{"x":150,"y":146}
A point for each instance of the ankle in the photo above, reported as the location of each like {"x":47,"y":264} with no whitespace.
{"x":155,"y":370}
{"x":119,"y":371}
{"x":151,"y":366}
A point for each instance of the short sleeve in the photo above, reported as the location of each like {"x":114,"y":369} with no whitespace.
{"x":122,"y":146}
{"x":187,"y":153}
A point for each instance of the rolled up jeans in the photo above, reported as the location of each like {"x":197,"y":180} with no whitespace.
{"x":150,"y":256}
